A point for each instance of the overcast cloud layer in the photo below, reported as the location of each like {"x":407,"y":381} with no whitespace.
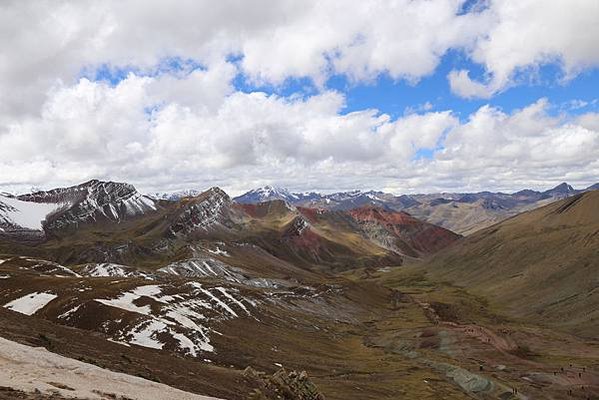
{"x":165,"y":124}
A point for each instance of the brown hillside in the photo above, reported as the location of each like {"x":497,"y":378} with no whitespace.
{"x":541,"y":265}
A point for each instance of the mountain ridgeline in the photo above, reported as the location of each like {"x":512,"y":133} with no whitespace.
{"x":463,"y":213}
{"x":112,"y":222}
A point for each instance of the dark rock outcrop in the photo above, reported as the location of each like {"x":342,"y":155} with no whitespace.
{"x":283,"y":384}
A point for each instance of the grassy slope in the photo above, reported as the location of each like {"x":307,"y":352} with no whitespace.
{"x":541,"y":265}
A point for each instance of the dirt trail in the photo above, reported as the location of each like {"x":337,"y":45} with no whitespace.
{"x":484,"y":335}
{"x":479,"y":332}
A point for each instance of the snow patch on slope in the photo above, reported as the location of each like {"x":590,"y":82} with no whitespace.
{"x":100,"y":270}
{"x":219,"y":252}
{"x":125,"y":302}
{"x":31,"y":303}
{"x":182,"y":317}
{"x":145,"y":334}
{"x":26,"y":214}
{"x":203,"y":214}
{"x":176,"y":195}
{"x":198,"y":267}
{"x":45,"y":267}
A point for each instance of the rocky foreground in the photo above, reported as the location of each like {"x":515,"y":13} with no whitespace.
{"x":40,"y":372}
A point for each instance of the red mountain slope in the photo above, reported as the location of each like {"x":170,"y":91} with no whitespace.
{"x":401,"y":231}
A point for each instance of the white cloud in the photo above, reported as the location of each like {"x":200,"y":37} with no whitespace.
{"x":527,"y":34}
{"x":589,"y":121}
{"x":47,"y":42}
{"x":93,"y":129}
{"x":276,"y":40}
{"x":518,"y":149}
{"x":461,"y":85}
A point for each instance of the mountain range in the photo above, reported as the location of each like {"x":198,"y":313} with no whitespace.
{"x":463,"y":213}
{"x":115,"y":219}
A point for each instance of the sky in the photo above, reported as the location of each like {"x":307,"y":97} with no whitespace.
{"x":405,"y":96}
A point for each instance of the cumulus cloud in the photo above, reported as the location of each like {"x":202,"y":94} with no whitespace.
{"x":274,"y":40}
{"x":461,"y":84}
{"x":589,"y":121}
{"x":525,"y":35}
{"x":399,"y":38}
{"x":277,"y":40}
{"x":94,"y":129}
{"x":526,"y":146}
{"x":120,"y":131}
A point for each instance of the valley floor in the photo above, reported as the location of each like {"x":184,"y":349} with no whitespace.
{"x":472,"y":344}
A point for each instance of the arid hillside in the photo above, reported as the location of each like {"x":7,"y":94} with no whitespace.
{"x":542,"y":265}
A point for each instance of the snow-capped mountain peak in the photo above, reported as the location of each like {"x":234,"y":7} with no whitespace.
{"x":267,"y":193}
{"x":202,"y":212}
{"x":59,"y":208}
{"x":175,"y":195}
